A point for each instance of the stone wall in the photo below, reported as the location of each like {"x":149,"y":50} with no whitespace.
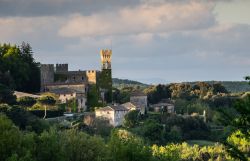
{"x":91,"y":76}
{"x":47,"y":75}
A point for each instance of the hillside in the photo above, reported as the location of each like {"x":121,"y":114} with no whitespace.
{"x":232,"y":86}
{"x":120,"y":83}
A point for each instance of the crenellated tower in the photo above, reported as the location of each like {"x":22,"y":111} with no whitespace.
{"x":105,"y":79}
{"x":106,"y":58}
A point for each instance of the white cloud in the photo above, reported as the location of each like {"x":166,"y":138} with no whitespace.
{"x":16,"y":28}
{"x":166,"y":17}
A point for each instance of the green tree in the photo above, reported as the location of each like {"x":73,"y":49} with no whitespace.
{"x":26,"y":101}
{"x":102,"y":127}
{"x":19,"y":68}
{"x":124,"y":146}
{"x":241,"y":122}
{"x":72,"y":104}
{"x":78,"y":146}
{"x":152,"y":131}
{"x":49,"y":146}
{"x":46,"y":101}
{"x":219,"y":88}
{"x":131,"y":118}
{"x":10,"y":138}
{"x":6,"y":95}
{"x":93,"y":97}
{"x":157,"y":93}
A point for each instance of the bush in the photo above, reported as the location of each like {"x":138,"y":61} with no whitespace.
{"x":131,"y":118}
{"x":50,"y":113}
{"x":26,"y":101}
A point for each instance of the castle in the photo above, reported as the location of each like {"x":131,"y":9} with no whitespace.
{"x":75,"y":84}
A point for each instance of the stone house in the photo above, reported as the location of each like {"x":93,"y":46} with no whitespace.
{"x":163,"y":107}
{"x":130,"y":106}
{"x":115,"y":114}
{"x":66,"y":94}
{"x":140,"y":100}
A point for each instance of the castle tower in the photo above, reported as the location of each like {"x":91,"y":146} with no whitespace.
{"x":106,"y":58}
{"x":105,"y":78}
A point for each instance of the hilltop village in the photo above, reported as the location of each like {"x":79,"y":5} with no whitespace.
{"x":72,"y":89}
{"x":71,"y":115}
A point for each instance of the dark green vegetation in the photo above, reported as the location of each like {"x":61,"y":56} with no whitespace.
{"x":104,"y":84}
{"x":18,"y":69}
{"x":121,"y":83}
{"x":191,"y":100}
{"x":67,"y":145}
{"x":231,"y":86}
{"x":6,"y":95}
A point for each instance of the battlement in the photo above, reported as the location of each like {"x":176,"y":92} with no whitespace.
{"x":106,"y":58}
{"x":47,"y":65}
{"x":61,"y":67}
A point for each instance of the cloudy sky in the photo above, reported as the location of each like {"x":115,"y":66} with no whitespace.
{"x":153,"y":41}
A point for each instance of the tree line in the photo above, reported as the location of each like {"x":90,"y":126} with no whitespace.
{"x":18,"y":69}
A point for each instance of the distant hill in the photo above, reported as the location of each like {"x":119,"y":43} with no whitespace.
{"x":236,"y":86}
{"x":231,"y":86}
{"x":120,"y":83}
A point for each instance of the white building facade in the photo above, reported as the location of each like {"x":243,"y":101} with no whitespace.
{"x":115,"y":114}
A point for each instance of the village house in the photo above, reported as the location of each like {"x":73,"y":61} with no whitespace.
{"x":140,"y":100}
{"x":67,"y":94}
{"x":163,"y":107}
{"x":115,"y":114}
{"x":130,"y":106}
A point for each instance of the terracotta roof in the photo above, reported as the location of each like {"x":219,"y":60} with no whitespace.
{"x":138,"y":93}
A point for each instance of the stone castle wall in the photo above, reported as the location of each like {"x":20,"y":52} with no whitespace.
{"x":61,"y":67}
{"x":47,"y":74}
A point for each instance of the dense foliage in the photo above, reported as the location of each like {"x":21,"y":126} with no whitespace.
{"x":68,"y":145}
{"x":7,"y":95}
{"x":18,"y":69}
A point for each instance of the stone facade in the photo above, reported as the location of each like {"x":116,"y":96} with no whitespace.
{"x":92,"y":76}
{"x":66,"y":94}
{"x":140,"y":100}
{"x":47,"y":75}
{"x":54,"y":77}
{"x":106,"y":59}
{"x":163,"y":107}
{"x":115,"y":114}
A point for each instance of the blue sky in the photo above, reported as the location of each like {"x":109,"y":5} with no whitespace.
{"x":153,"y":41}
